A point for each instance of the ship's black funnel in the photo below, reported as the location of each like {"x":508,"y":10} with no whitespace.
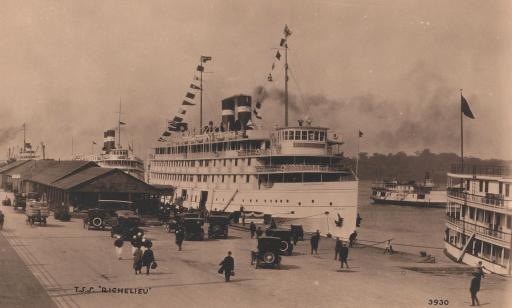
{"x":109,"y":140}
{"x":228,"y":113}
{"x":243,"y":109}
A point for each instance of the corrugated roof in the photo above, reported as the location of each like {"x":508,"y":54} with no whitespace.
{"x":25,"y":171}
{"x":81,"y":177}
{"x":58,"y":170}
{"x":13,"y":164}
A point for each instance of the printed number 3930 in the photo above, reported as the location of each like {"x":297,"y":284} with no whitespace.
{"x":438,"y":302}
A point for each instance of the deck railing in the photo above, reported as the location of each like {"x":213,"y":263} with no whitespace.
{"x":300,"y":168}
{"x":471,"y":227}
{"x":486,"y":200}
{"x":481,"y":170}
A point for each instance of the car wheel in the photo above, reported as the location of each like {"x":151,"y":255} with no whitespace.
{"x":97,"y":222}
{"x":283,"y":246}
{"x":269,"y":257}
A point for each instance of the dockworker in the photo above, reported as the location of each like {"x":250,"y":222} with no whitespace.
{"x":259,"y":232}
{"x":352,"y":239}
{"x":343,"y":254}
{"x":227,"y":266}
{"x":480,"y":269}
{"x":389,"y":247}
{"x":180,"y":236}
{"x":252,"y":228}
{"x":337,"y":248}
{"x":315,"y":239}
{"x":148,"y":258}
{"x":474,"y":288}
{"x":137,"y":260}
{"x":118,"y":244}
{"x":2,"y":218}
{"x":358,"y":220}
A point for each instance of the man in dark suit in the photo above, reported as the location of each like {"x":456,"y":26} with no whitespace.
{"x":252,"y":228}
{"x":337,"y":248}
{"x":227,"y":266}
{"x":315,"y":239}
{"x":474,"y":288}
{"x":343,"y":255}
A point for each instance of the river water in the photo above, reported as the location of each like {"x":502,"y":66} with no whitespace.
{"x":406,"y":225}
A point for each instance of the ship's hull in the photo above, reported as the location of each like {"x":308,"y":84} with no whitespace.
{"x":316,"y":206}
{"x":418,"y":203}
{"x":454,"y":253}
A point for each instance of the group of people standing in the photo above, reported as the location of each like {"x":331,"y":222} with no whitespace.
{"x":141,"y":251}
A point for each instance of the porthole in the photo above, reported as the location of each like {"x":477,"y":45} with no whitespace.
{"x":312,"y":201}
{"x":280,"y":201}
{"x":299,"y":203}
{"x":330,"y":203}
{"x":287,"y":201}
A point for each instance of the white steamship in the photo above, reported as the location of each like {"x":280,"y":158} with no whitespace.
{"x":295,"y":173}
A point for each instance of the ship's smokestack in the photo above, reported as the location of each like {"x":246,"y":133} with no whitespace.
{"x":228,"y":113}
{"x":243,"y":109}
{"x":109,"y":140}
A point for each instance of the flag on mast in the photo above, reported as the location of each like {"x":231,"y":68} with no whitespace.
{"x":287,"y":31}
{"x":360,"y":134}
{"x":464,"y":108}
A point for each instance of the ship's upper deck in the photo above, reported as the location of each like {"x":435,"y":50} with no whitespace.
{"x":290,"y":141}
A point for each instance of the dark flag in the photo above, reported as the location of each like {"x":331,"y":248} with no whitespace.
{"x":161,"y":139}
{"x":282,"y":42}
{"x":193,"y":86}
{"x":196,"y":78}
{"x":166,"y":133}
{"x":182,"y":111}
{"x":287,"y":31}
{"x":205,"y":59}
{"x":122,"y":123}
{"x":258,"y":104}
{"x":360,"y":134}
{"x":273,"y":66}
{"x":269,"y":78}
{"x":94,"y":142}
{"x":187,"y":103}
{"x":464,"y":108}
{"x":190,"y":95}
{"x":177,"y":119}
{"x":200,"y":68}
{"x":278,"y":55}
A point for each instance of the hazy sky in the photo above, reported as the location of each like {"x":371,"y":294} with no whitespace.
{"x":392,"y":69}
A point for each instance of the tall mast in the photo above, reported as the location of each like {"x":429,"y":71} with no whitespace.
{"x":286,"y":83}
{"x":119,"y":126}
{"x":24,"y":139}
{"x":201,"y":95}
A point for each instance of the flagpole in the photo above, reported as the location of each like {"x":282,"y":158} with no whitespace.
{"x":357,"y":157}
{"x":119,"y":125}
{"x":461,"y":136}
{"x":286,"y":83}
{"x":201,"y":96}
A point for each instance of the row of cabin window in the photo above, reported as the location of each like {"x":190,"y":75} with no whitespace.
{"x":203,"y":178}
{"x":483,"y":186}
{"x":123,"y":163}
{"x":207,"y":147}
{"x":312,"y":135}
{"x":479,"y":215}
{"x":202,"y":163}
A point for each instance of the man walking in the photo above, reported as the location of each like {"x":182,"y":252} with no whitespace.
{"x":227,"y":266}
{"x":180,"y":236}
{"x":118,"y":244}
{"x":352,"y":239}
{"x":337,"y":248}
{"x":148,"y":258}
{"x":2,"y":217}
{"x":137,"y":260}
{"x":474,"y":288}
{"x":259,"y":232}
{"x":389,"y":247}
{"x":315,"y":239}
{"x":343,"y":254}
{"x":252,"y":228}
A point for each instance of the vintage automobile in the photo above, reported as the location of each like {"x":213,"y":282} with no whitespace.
{"x":193,"y":228}
{"x":267,"y":254}
{"x":20,"y":202}
{"x":37,"y":211}
{"x":126,"y":224}
{"x":297,"y":231}
{"x":6,"y":202}
{"x":286,"y":245}
{"x":218,"y":226}
{"x":106,"y":213}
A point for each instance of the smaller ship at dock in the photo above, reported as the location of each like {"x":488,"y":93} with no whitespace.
{"x":425,"y":194}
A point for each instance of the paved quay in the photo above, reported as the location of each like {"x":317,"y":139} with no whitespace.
{"x":67,"y":259}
